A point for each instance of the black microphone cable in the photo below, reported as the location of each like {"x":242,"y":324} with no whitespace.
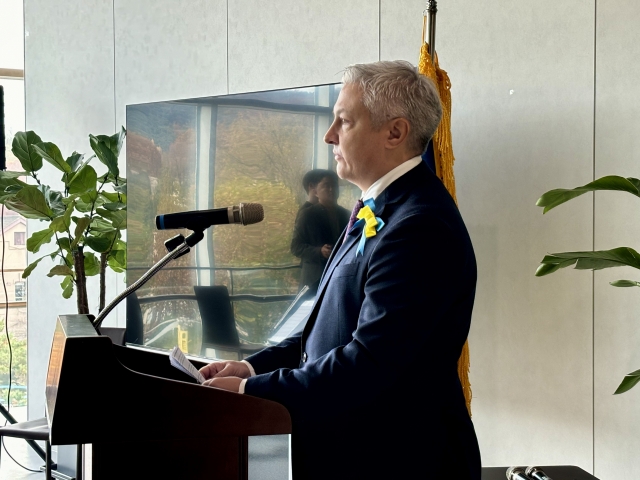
{"x":6,"y":331}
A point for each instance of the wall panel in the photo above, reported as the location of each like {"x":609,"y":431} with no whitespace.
{"x":522,"y":88}
{"x":167,"y":50}
{"x":69,"y":94}
{"x":617,"y":149}
{"x":288,"y":43}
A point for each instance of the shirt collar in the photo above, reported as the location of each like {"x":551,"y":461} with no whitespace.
{"x":383,"y":182}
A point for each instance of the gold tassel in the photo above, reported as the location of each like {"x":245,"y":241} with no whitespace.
{"x":444,"y":159}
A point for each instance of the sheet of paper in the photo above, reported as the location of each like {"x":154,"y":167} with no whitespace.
{"x":178,"y":360}
{"x":290,"y":325}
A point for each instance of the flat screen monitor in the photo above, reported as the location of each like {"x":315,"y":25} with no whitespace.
{"x":203,"y":153}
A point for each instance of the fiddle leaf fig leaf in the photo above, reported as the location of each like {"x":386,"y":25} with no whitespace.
{"x":63,"y":223}
{"x":553,"y":198}
{"x":625,"y":283}
{"x":630,"y":380}
{"x":117,"y":261}
{"x":101,"y":225}
{"x":91,"y":264}
{"x":23,"y":147}
{"x":53,"y":199}
{"x":104,"y":153}
{"x":30,"y":203}
{"x":37,"y":239}
{"x":84,"y":180}
{"x":74,"y":161}
{"x":118,"y":218}
{"x":31,"y":266}
{"x":67,"y":287}
{"x":51,"y":153}
{"x":65,"y":244}
{"x":81,"y":225}
{"x":7,"y":175}
{"x":98,"y":244}
{"x":60,"y":270}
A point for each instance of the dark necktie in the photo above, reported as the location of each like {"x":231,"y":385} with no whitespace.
{"x":353,"y":218}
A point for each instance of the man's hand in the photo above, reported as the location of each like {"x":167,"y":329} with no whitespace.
{"x":228,"y":368}
{"x":326,"y":250}
{"x":225,"y":383}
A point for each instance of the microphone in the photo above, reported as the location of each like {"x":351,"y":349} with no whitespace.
{"x":536,"y":473}
{"x":3,"y":157}
{"x":245,"y":213}
{"x":517,"y":473}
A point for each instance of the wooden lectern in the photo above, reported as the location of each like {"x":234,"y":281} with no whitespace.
{"x":145,"y":418}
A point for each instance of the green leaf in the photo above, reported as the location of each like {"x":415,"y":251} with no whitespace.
{"x":118,"y":218}
{"x":30,"y":203}
{"x":65,"y":244}
{"x":67,"y":287}
{"x":53,"y":199}
{"x":115,"y":206}
{"x":625,"y":283}
{"x":60,"y":270}
{"x":32,"y":265}
{"x":98,"y":244}
{"x":81,"y":225}
{"x":51,"y":153}
{"x":117,"y":260}
{"x":111,"y":196}
{"x":23,"y":148}
{"x":101,"y":225}
{"x":83,"y":181}
{"x":75,"y":161}
{"x":63,"y":222}
{"x":91,"y":264}
{"x":553,"y":198}
{"x":37,"y":239}
{"x":6,"y":174}
{"x":104,"y":153}
{"x":630,"y":380}
{"x":617,"y":257}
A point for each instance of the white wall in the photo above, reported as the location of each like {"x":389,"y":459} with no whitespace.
{"x":546,"y":353}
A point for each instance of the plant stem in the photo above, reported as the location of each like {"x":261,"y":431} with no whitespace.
{"x":103,"y":267}
{"x":81,"y":281}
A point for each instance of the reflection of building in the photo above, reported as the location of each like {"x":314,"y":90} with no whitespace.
{"x":15,"y":261}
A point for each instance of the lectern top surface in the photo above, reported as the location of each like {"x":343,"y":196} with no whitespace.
{"x":77,"y":326}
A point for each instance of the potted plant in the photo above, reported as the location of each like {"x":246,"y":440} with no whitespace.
{"x":84,"y":221}
{"x":596,"y":260}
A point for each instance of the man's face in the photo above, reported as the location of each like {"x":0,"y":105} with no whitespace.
{"x":327,"y":191}
{"x":357,"y":147}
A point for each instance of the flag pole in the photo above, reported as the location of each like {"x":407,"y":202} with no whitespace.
{"x":432,"y":9}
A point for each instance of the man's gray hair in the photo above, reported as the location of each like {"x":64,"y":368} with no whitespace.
{"x":393,"y":89}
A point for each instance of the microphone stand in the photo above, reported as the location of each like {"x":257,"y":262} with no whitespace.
{"x":177,"y":247}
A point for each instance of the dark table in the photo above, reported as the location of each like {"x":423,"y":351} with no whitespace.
{"x":556,"y":472}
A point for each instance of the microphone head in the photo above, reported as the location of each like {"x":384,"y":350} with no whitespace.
{"x":251,"y":213}
{"x":537,"y":471}
{"x":515,"y":473}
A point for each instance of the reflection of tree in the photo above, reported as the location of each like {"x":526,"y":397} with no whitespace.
{"x":263,"y":144}
{"x":260,"y":156}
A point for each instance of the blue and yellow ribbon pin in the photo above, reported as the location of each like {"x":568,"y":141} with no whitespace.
{"x":371,"y":224}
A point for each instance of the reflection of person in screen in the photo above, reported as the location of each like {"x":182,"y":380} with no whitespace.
{"x":372,"y":382}
{"x":318,"y":227}
{"x":309,"y":181}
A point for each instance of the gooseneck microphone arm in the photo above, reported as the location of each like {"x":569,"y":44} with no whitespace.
{"x":181,"y":249}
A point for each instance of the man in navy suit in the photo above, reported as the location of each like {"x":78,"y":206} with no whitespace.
{"x":371,"y":383}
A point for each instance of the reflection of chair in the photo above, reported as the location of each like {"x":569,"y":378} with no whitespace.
{"x":134,"y":333}
{"x":218,"y":322}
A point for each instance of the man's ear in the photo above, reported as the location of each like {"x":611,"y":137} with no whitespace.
{"x":397,"y":132}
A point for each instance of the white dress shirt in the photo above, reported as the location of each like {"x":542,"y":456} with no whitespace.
{"x":373,"y":192}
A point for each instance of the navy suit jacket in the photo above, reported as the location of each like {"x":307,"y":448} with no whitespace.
{"x":371,"y":383}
